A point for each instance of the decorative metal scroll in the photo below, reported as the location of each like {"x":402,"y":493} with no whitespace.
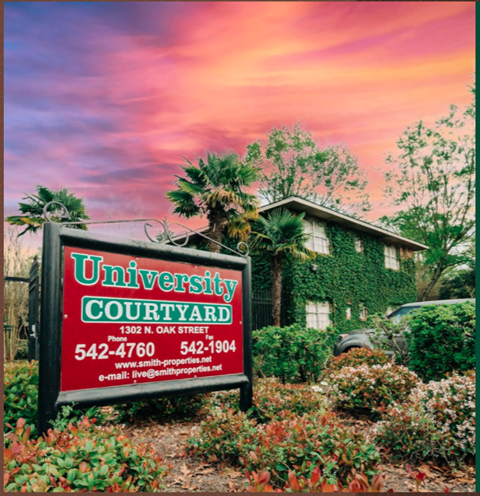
{"x":61,"y":212}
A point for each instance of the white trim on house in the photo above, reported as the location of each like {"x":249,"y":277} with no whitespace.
{"x":323,"y":213}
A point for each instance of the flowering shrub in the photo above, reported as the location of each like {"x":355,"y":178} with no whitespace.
{"x":81,"y":458}
{"x":437,"y":422}
{"x":356,"y":357}
{"x":442,"y":340}
{"x":368,"y":388}
{"x":305,"y":442}
{"x":185,"y":407}
{"x":20,"y":397}
{"x":292,"y":354}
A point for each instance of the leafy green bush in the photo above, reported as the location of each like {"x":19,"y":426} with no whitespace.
{"x":442,"y":340}
{"x":356,"y":357}
{"x":81,"y":458}
{"x":20,"y":397}
{"x":367,"y":388}
{"x":292,"y":354}
{"x":437,"y":422}
{"x":20,"y":393}
{"x":184,"y":407}
{"x":22,"y":350}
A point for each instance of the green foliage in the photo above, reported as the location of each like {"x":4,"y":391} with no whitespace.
{"x":357,"y":357}
{"x":216,"y":188}
{"x":442,"y":339}
{"x":432,"y":179}
{"x":437,"y":422}
{"x":345,"y":278}
{"x":280,"y":233}
{"x":185,"y":407}
{"x":32,"y":215}
{"x":459,"y":284}
{"x":20,"y":398}
{"x":20,"y":393}
{"x":292,"y":354}
{"x":80,"y":458}
{"x":294,"y":165}
{"x":22,"y":350}
{"x":367,"y":388}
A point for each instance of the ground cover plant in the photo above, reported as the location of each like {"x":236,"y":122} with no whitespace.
{"x":80,"y":458}
{"x":20,"y":397}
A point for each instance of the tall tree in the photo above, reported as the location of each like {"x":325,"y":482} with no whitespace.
{"x":432,"y":180}
{"x":279,"y":233}
{"x":217,"y":188}
{"x":293,"y":164}
{"x":32,"y":215}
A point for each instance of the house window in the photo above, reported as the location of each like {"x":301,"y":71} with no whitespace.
{"x":391,"y":258}
{"x":358,"y":244}
{"x":363,"y":311}
{"x":318,"y":315}
{"x":317,"y":237}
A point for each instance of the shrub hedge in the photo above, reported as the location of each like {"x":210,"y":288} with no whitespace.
{"x":292,"y":354}
{"x":442,"y":340}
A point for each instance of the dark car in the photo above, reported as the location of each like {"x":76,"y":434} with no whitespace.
{"x":360,"y":338}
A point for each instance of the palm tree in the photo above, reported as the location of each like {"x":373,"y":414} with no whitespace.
{"x":32,"y":210}
{"x":216,"y":188}
{"x":281,"y":232}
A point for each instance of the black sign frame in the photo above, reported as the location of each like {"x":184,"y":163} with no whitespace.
{"x":50,"y":399}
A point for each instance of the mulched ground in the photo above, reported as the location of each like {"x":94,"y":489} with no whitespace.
{"x":192,"y":474}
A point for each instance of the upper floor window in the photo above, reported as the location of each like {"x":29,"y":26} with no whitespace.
{"x":358,"y":244}
{"x":391,"y":258}
{"x":317,"y":237}
{"x":318,"y":315}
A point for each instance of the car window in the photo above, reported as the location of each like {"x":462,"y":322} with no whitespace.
{"x":396,"y":316}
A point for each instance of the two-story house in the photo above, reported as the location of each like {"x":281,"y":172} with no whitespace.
{"x":358,"y":269}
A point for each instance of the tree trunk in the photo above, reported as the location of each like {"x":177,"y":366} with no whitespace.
{"x":215,"y":232}
{"x":276,"y":289}
{"x":428,"y":289}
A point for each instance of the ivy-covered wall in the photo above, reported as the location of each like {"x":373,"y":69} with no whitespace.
{"x":344,"y":278}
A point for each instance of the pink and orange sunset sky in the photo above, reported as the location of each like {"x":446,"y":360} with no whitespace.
{"x":105,"y":98}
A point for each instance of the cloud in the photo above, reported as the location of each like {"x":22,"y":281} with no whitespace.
{"x":107,"y":98}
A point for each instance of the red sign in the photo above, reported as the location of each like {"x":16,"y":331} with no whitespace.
{"x":129,"y":320}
